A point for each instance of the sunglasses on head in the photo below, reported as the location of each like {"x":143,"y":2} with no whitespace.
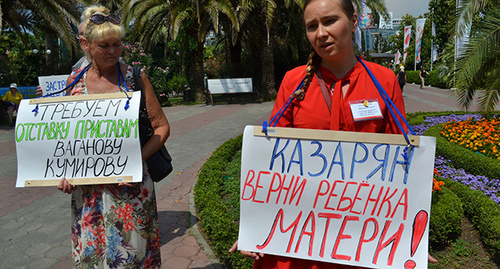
{"x":100,"y":19}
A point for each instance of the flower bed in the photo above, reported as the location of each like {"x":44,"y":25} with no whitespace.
{"x":477,"y":178}
{"x":481,"y":136}
{"x":484,"y":182}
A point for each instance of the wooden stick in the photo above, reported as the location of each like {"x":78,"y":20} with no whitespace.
{"x":78,"y":181}
{"x":343,"y":136}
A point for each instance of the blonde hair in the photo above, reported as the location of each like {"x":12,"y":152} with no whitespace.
{"x":312,"y":64}
{"x":99,"y":32}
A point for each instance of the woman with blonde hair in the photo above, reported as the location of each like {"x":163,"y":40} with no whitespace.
{"x":114,"y":225}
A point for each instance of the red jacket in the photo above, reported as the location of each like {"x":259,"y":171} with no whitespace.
{"x":313,"y":113}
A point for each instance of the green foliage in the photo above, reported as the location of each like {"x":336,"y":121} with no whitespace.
{"x":476,"y":71}
{"x":214,"y":62}
{"x":462,"y":157}
{"x":442,"y":13}
{"x":484,"y":214}
{"x":413,"y":77}
{"x":19,"y":62}
{"x":463,"y":249}
{"x":435,"y":79}
{"x":217,"y":202}
{"x":177,"y":82}
{"x":135,"y":54}
{"x":446,"y":218}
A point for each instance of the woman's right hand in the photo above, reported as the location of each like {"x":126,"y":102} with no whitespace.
{"x":39,"y":91}
{"x":249,"y":255}
{"x":65,"y":186}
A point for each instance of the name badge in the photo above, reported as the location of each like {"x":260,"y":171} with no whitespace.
{"x":365,"y":110}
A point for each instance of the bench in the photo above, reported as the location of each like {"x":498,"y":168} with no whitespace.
{"x":231,"y":86}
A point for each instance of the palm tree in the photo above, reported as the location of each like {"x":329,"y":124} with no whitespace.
{"x":151,"y":21}
{"x":155,"y":17}
{"x":115,"y":6}
{"x":478,"y":68}
{"x":55,"y":16}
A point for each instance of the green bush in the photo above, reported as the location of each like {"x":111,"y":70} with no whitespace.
{"x":412,"y":77}
{"x":434,"y":78}
{"x":484,"y":214}
{"x":177,"y":82}
{"x":446,"y":218}
{"x":471,"y":162}
{"x":216,"y":205}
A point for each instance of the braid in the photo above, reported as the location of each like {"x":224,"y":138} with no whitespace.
{"x":312,"y":64}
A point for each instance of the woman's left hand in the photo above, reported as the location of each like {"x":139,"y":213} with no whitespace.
{"x":65,"y":186}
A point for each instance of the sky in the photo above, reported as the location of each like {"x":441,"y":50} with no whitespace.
{"x":403,"y":7}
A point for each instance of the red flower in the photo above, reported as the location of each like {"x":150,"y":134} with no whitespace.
{"x":129,"y":226}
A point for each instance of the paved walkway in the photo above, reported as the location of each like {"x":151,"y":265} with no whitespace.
{"x":35,"y":222}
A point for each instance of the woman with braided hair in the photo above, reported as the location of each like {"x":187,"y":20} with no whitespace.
{"x":333,"y":79}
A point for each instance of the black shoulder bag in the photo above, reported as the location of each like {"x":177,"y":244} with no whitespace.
{"x":160,"y":163}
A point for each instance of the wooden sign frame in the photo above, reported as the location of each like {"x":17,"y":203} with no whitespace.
{"x":351,"y":198}
{"x":131,"y":112}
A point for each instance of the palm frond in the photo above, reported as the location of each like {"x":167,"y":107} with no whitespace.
{"x":479,"y":61}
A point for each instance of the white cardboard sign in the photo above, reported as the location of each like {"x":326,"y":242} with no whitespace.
{"x":230,"y":85}
{"x":338,"y":197}
{"x":51,"y":84}
{"x":89,"y":139}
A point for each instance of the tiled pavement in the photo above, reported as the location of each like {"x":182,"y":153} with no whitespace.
{"x":35,"y":222}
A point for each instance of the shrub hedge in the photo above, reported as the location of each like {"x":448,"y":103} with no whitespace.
{"x":446,"y":218}
{"x":213,"y":210}
{"x":484,"y":214}
{"x":434,"y":78}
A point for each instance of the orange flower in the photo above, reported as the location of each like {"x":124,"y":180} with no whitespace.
{"x":478,"y":135}
{"x":437,"y":185}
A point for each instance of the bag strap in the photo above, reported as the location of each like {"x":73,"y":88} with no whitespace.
{"x":274,"y":120}
{"x":138,"y":87}
{"x":137,"y":78}
{"x":390,"y":104}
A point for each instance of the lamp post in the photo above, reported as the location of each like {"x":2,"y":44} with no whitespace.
{"x":45,"y":53}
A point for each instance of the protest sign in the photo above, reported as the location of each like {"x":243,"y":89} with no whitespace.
{"x":88,"y":139}
{"x":339,"y":197}
{"x":52,"y":84}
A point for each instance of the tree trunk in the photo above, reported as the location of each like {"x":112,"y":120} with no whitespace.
{"x":235,"y":53}
{"x":1,"y":17}
{"x":197,"y":74}
{"x":267,"y":61}
{"x":268,"y":87}
{"x":49,"y":57}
